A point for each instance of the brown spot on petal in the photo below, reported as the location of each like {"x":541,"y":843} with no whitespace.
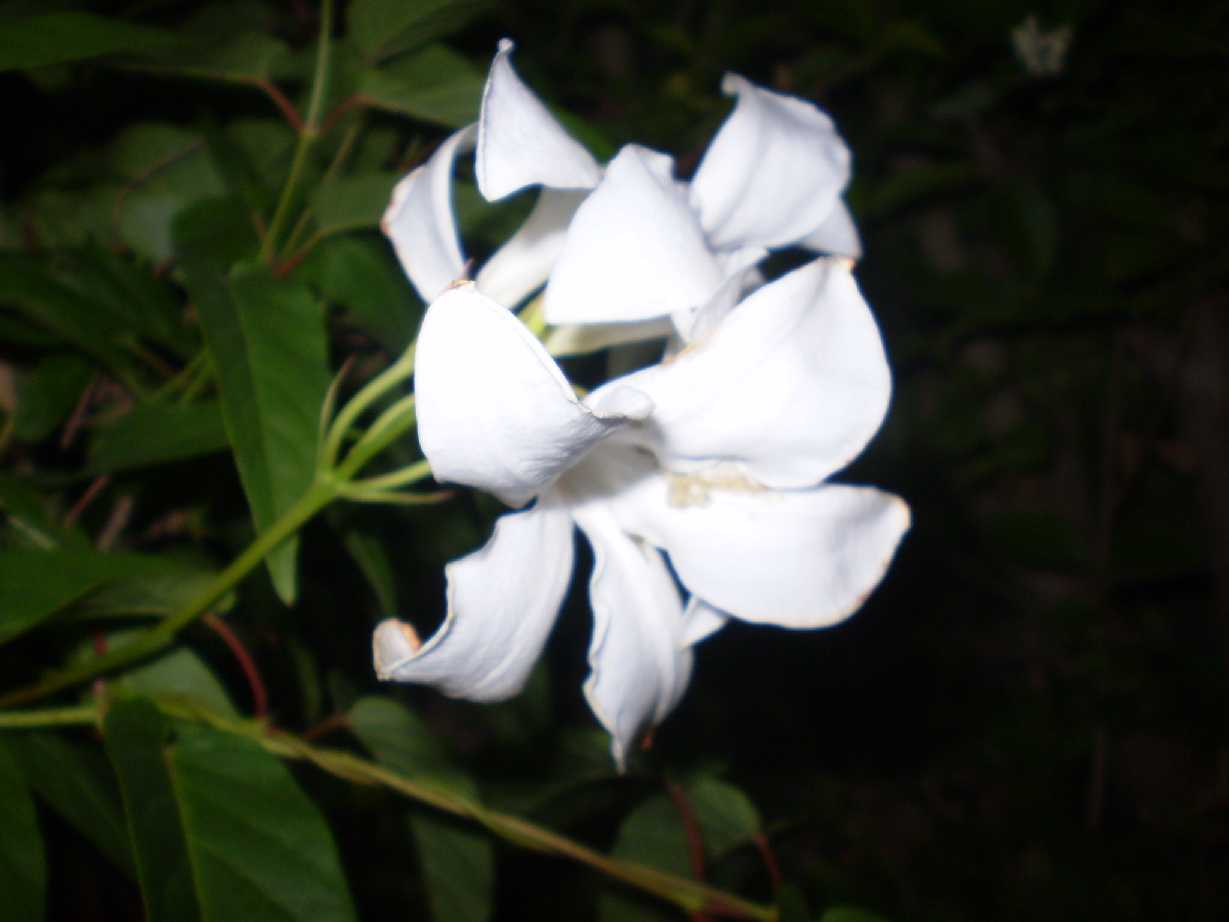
{"x":408,"y":635}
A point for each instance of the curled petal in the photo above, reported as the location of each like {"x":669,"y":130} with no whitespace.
{"x":420,"y":221}
{"x":522,"y":264}
{"x":790,"y":385}
{"x":634,"y":250}
{"x":520,"y":143}
{"x":772,"y":173}
{"x":794,"y":558}
{"x":837,"y":235}
{"x":639,"y":665}
{"x":494,"y":410}
{"x":502,"y":603}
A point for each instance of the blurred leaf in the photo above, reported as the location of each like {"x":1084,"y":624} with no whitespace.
{"x":268,"y":144}
{"x":353,"y":203}
{"x":458,"y":868}
{"x":167,"y":585}
{"x":35,"y":584}
{"x":267,"y":338}
{"x":48,"y":394}
{"x":652,"y":834}
{"x":368,"y":552}
{"x":26,"y":283}
{"x":385,"y":27}
{"x":222,"y":830}
{"x":167,"y":170}
{"x":361,"y":275}
{"x":158,"y":433}
{"x":245,"y":58}
{"x":434,"y":85}
{"x":398,"y":738}
{"x":23,"y":864}
{"x":849,"y":914}
{"x":54,"y":38}
{"x":792,"y":904}
{"x":76,"y":782}
{"x":725,"y":815}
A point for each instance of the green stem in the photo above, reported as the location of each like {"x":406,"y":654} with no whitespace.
{"x":419,"y":470}
{"x":49,"y":717}
{"x":318,"y":495}
{"x":330,"y":175}
{"x":391,"y":376}
{"x":389,"y":426}
{"x":307,"y":137}
{"x":690,"y":895}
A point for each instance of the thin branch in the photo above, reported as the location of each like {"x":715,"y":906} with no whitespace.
{"x":251,"y":672}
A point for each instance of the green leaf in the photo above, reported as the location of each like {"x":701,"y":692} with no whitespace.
{"x":35,"y":584}
{"x":245,"y":58}
{"x":267,"y":338}
{"x":23,"y":864}
{"x":792,"y":904}
{"x":458,"y":868}
{"x":48,"y":394}
{"x":353,"y":203}
{"x":260,"y":849}
{"x":26,"y":284}
{"x":167,"y":169}
{"x":221,"y":829}
{"x":54,"y":38}
{"x":384,"y":27}
{"x":361,"y":275}
{"x":725,"y":815}
{"x":652,"y":834}
{"x":31,"y":522}
{"x":76,"y":782}
{"x":137,"y":738}
{"x":434,"y":85}
{"x":398,"y":738}
{"x":180,"y":675}
{"x":158,"y":433}
{"x":372,"y":560}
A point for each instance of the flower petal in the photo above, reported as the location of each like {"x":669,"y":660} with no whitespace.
{"x":639,"y":664}
{"x":634,"y":250}
{"x":420,"y":222}
{"x":838,"y":234}
{"x":791,"y":384}
{"x":772,"y":173}
{"x":579,"y":338}
{"x":494,"y":410}
{"x":798,"y":559}
{"x":502,"y":603}
{"x":701,"y":621}
{"x":520,"y":143}
{"x":524,"y":262}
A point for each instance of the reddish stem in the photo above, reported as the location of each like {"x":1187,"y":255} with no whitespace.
{"x":339,"y":721}
{"x":90,"y":494}
{"x":78,"y":415}
{"x":260,"y":698}
{"x":695,"y":840}
{"x":770,"y":860}
{"x":334,"y":115}
{"x":289,"y":112}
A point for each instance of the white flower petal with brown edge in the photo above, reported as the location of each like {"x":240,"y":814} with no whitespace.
{"x":494,"y":410}
{"x":502,"y":602}
{"x":520,"y":143}
{"x":421,"y":224}
{"x":639,"y":665}
{"x":791,"y":384}
{"x":773,"y":172}
{"x":794,"y":558}
{"x":634,"y":251}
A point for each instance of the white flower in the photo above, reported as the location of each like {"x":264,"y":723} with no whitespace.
{"x":716,"y":459}
{"x":642,"y":246}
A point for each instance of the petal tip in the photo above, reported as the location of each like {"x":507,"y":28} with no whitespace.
{"x":393,"y":642}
